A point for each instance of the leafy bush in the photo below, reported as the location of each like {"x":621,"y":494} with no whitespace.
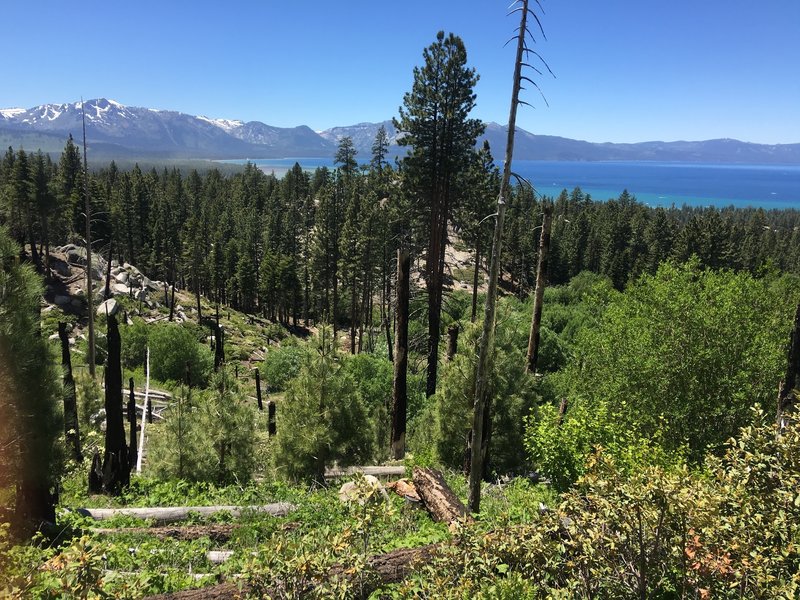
{"x":728,"y":531}
{"x":677,"y":360}
{"x":281,"y":365}
{"x":133,"y":349}
{"x":172,"y":347}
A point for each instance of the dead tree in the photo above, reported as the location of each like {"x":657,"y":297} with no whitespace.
{"x":71,"y":431}
{"x":116,"y":466}
{"x":271,"y":428}
{"x":787,"y":399}
{"x":90,"y":355}
{"x":485,"y":348}
{"x":258,"y":389}
{"x":399,"y":387}
{"x":538,"y":297}
{"x":452,"y":341}
{"x":132,"y":450}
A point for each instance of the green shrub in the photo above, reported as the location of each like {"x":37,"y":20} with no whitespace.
{"x":674,"y":363}
{"x":510,"y":389}
{"x":172,"y":347}
{"x":281,"y":365}
{"x":133,"y":349}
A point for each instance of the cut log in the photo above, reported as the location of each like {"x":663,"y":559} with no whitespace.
{"x":167,"y":514}
{"x":216,"y":533}
{"x":405,"y":489}
{"x":438,"y":498}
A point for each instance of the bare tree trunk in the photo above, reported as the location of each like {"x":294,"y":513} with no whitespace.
{"x":116,"y":473}
{"x":132,"y":450}
{"x":476,"y":279}
{"x":541,"y":282}
{"x":107,"y":292}
{"x":485,"y":350}
{"x":452,"y":341}
{"x":71,"y":432}
{"x":172,"y":302}
{"x":258,"y":389}
{"x":399,"y":389}
{"x":88,"y":213}
{"x":353,"y":312}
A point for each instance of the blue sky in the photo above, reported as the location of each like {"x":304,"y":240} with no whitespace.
{"x":626,"y":70}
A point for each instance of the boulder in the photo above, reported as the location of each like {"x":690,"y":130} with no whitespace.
{"x":121,"y":276}
{"x":59,"y":267}
{"x":119,"y":288}
{"x":371,"y":489}
{"x":110,"y":307}
{"x":75,"y":255}
{"x":62,"y":300}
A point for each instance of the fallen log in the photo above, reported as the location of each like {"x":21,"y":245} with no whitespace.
{"x":382,"y":569}
{"x":216,"y":533}
{"x":437,"y":497}
{"x":168,"y":514}
{"x":374,"y":471}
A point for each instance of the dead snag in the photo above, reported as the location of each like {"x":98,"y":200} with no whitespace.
{"x":71,"y":432}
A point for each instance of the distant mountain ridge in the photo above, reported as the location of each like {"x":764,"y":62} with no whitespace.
{"x":115,"y":130}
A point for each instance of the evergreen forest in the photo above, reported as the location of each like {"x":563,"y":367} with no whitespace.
{"x":391,"y":379}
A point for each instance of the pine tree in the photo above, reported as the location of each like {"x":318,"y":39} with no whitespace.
{"x":30,"y":421}
{"x":441,"y":138}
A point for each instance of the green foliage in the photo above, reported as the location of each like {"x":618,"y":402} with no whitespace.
{"x":207,"y":436}
{"x":322,"y":418}
{"x":30,"y":416}
{"x":372,"y":375}
{"x":172,"y":347}
{"x":510,"y":390}
{"x":282,"y":364}
{"x":675,"y":361}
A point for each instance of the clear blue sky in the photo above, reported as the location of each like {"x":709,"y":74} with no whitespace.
{"x":626,"y":70}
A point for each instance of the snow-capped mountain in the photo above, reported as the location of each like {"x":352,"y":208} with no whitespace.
{"x":117,"y":131}
{"x":113,"y":128}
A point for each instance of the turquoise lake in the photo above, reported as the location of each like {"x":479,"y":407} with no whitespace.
{"x":653,"y":183}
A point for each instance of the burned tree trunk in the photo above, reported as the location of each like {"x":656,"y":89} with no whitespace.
{"x":271,"y":429}
{"x":219,"y":348}
{"x":787,"y":399}
{"x":452,"y":341}
{"x":116,"y":473}
{"x":399,"y":389}
{"x":258,"y":389}
{"x":476,"y":279}
{"x":538,"y":298}
{"x":71,"y":432}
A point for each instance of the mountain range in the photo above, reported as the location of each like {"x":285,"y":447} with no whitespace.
{"x":126,"y":132}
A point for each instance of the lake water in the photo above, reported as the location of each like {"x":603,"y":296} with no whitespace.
{"x":653,"y":183}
